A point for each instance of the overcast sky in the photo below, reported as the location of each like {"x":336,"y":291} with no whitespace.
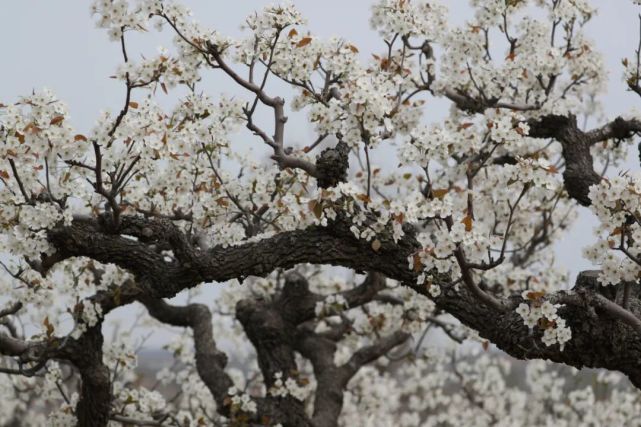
{"x":54,"y":44}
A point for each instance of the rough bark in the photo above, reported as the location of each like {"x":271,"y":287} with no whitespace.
{"x":277,"y":328}
{"x":579,"y":172}
{"x":94,"y":405}
{"x":335,"y":245}
{"x":272,"y":337}
{"x":601,"y":338}
{"x":210,"y":361}
{"x":331,"y":165}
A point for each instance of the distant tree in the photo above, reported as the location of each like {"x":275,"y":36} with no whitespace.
{"x":458,"y":237}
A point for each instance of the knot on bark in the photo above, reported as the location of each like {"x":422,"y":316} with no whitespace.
{"x":550,"y":126}
{"x":621,"y":128}
{"x":295,"y":286}
{"x":578,"y":183}
{"x":587,"y":283}
{"x":261,"y":322}
{"x":579,"y":174}
{"x":332,"y":165}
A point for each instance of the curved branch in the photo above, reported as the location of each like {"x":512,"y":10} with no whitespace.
{"x":372,"y":352}
{"x":619,"y":344}
{"x":210,"y":362}
{"x":579,"y":174}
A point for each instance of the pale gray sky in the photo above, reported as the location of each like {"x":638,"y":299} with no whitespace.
{"x":54,"y":44}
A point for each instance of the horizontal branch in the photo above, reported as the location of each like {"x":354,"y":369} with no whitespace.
{"x":336,"y":245}
{"x":478,"y":105}
{"x":618,"y":128}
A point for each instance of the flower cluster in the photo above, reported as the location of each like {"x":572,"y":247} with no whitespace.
{"x":616,"y":203}
{"x":547,"y":72}
{"x":298,"y":388}
{"x":134,"y":402}
{"x":409,"y":18}
{"x":331,"y":305}
{"x":543,"y":313}
{"x":89,"y":314}
{"x":275,"y":17}
{"x":444,"y":388}
{"x":475,"y":196}
{"x":240,"y":402}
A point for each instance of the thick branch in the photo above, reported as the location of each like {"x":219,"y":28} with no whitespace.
{"x":272,"y":337}
{"x":10,"y":346}
{"x":297,"y":303}
{"x":210,"y":362}
{"x":579,"y":174}
{"x":331,"y":382}
{"x":335,"y":245}
{"x":85,"y":353}
{"x":618,"y":128}
{"x":331,"y":379}
{"x":94,"y":406}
